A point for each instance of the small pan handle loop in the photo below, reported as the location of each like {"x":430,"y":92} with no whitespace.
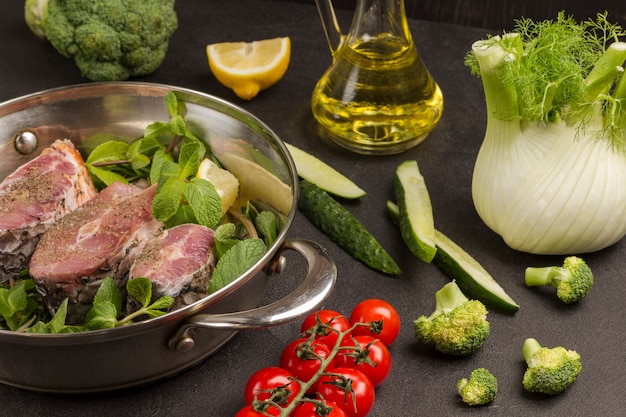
{"x":309,"y":295}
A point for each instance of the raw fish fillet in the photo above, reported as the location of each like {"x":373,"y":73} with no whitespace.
{"x":34,"y":197}
{"x":99,"y":239}
{"x":179,"y":263}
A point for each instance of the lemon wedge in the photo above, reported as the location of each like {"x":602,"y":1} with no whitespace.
{"x":249,"y":67}
{"x":257,"y":183}
{"x":225,"y":183}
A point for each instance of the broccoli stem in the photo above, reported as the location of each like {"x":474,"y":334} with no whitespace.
{"x":448,"y":298}
{"x":529,"y":348}
{"x":548,"y":275}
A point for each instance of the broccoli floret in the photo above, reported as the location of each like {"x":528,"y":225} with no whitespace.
{"x":458,"y":326}
{"x":572,"y":281}
{"x":550,"y":370}
{"x":481,"y":387}
{"x":110,"y":40}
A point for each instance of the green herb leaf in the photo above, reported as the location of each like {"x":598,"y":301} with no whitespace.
{"x":162,"y":303}
{"x":177,"y":125}
{"x":191,"y":154}
{"x":104,"y":316}
{"x":108,"y":151}
{"x":224,"y":239}
{"x":204,"y":201}
{"x":267,"y":225}
{"x":171,"y":103}
{"x":106,"y":176}
{"x":107,"y":304}
{"x":183,"y":215}
{"x":140,"y":289}
{"x":163,"y":165}
{"x":236,"y":261}
{"x":157,"y":130}
{"x":167,"y":198}
{"x":58,"y":321}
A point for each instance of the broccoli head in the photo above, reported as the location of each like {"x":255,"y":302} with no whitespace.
{"x":481,"y":387}
{"x":110,"y":40}
{"x":550,"y":370}
{"x":458,"y":326}
{"x":572,"y":281}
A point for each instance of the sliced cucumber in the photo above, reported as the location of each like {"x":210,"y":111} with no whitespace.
{"x":343,"y":228}
{"x":323,"y":175}
{"x":417,"y":225}
{"x":471,"y":277}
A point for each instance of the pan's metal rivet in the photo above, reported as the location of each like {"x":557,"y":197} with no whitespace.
{"x":185,"y":344}
{"x":26,"y":142}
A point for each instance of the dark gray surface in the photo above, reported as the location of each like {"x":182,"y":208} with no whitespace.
{"x":421,"y":382}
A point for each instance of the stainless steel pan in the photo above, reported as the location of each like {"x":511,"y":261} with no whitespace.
{"x":157,"y":348}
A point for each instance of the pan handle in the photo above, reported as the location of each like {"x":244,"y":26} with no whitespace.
{"x":309,"y":295}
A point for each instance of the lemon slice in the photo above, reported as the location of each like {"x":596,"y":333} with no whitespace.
{"x":249,"y":67}
{"x":257,"y":183}
{"x":225,"y":183}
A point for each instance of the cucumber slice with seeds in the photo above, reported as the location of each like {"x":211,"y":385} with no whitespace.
{"x":417,"y":225}
{"x":328,"y":215}
{"x":323,"y":175}
{"x":470,"y":276}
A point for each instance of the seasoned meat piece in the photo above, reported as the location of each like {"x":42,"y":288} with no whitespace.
{"x":34,"y":197}
{"x":179,"y":262}
{"x":99,"y":239}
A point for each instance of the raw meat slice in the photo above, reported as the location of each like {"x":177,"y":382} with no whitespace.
{"x":179,"y":263}
{"x":34,"y":197}
{"x":99,"y":239}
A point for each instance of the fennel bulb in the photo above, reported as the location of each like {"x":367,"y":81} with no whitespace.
{"x":550,"y":175}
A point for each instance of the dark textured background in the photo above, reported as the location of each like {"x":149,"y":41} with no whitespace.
{"x":498,"y":14}
{"x":421,"y":382}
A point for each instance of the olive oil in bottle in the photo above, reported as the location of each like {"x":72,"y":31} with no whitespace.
{"x":377,"y":97}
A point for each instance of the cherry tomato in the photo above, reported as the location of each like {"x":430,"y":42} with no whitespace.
{"x":350,"y":389}
{"x":327,"y":409}
{"x":330,"y":318}
{"x":270,"y":381}
{"x":381,"y":315}
{"x":249,"y":411}
{"x":374,"y":359}
{"x":303,"y":358}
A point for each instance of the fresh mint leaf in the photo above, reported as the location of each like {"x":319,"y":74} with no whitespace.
{"x":204,"y":201}
{"x":140,"y":289}
{"x":109,"y":291}
{"x":107,"y":295}
{"x":189,"y":159}
{"x":107,"y":152}
{"x":267,"y":227}
{"x":162,"y":303}
{"x":56,"y":324}
{"x":224,"y":239}
{"x":167,"y":198}
{"x":236,"y":261}
{"x":139,"y":162}
{"x":177,"y":125}
{"x":163,"y":165}
{"x":157,"y":130}
{"x":105,"y":176}
{"x":171,"y":103}
{"x":104,"y":316}
{"x":183,"y":215}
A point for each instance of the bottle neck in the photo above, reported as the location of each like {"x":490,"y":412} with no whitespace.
{"x":380,"y":18}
